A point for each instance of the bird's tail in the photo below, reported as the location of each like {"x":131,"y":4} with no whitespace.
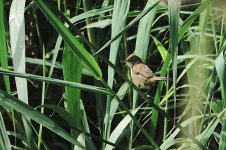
{"x":162,"y":78}
{"x":156,"y":78}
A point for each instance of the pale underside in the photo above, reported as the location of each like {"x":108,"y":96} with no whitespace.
{"x":140,"y":81}
{"x":142,"y":76}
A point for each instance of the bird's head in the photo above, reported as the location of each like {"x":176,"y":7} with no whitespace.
{"x":132,"y":59}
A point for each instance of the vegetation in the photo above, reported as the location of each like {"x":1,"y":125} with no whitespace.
{"x":63,"y":86}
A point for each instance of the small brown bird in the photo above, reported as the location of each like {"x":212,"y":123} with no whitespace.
{"x":141,"y":74}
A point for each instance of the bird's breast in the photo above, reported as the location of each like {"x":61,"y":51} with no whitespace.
{"x":139,"y":81}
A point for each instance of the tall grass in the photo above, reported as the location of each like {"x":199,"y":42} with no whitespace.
{"x":89,"y":99}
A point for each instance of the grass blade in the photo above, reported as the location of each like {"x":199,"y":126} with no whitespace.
{"x":171,"y":139}
{"x":120,"y":128}
{"x":17,"y":42}
{"x":4,"y":139}
{"x":223,"y":136}
{"x":220,"y":68}
{"x":120,"y":10}
{"x":144,"y":29}
{"x":3,"y":50}
{"x":187,"y":23}
{"x":142,"y":14}
{"x":8,"y":101}
{"x":163,"y":52}
{"x":86,"y":87}
{"x":79,"y":51}
{"x":154,"y":117}
{"x":74,"y":20}
{"x":174,"y":10}
{"x":72,"y":70}
{"x":142,"y":43}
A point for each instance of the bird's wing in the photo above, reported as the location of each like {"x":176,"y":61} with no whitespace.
{"x":144,"y":70}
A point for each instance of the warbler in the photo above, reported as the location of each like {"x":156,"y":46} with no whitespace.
{"x":141,"y":74}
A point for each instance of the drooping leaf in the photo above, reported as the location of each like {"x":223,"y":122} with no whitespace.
{"x":78,"y":50}
{"x":8,"y":101}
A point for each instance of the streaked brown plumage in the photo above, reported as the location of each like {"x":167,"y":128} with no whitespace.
{"x":141,"y":74}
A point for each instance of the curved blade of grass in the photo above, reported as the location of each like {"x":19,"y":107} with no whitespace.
{"x":144,"y":29}
{"x":17,"y":42}
{"x":186,"y":24}
{"x":120,"y":10}
{"x":4,"y":138}
{"x":88,"y":5}
{"x":143,"y":147}
{"x":72,"y":71}
{"x":114,"y":103}
{"x":174,"y":10}
{"x":55,"y":51}
{"x":157,"y":98}
{"x":3,"y":50}
{"x":217,"y":106}
{"x":167,"y":61}
{"x":120,"y":128}
{"x":65,"y":115}
{"x":81,"y":139}
{"x":79,"y":51}
{"x":84,"y":117}
{"x":205,"y":136}
{"x":99,"y":24}
{"x":222,"y":145}
{"x":142,"y":43}
{"x":170,"y":140}
{"x":163,"y":52}
{"x":85,"y":87}
{"x":73,"y":20}
{"x":91,"y":13}
{"x":70,"y":123}
{"x":57,"y":65}
{"x":142,"y":14}
{"x":7,"y":101}
{"x":211,"y":91}
{"x":220,"y":68}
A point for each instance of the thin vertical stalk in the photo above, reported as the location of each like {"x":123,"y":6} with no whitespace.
{"x":174,"y":10}
{"x":87,"y":4}
{"x":166,"y":111}
{"x":43,"y":96}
